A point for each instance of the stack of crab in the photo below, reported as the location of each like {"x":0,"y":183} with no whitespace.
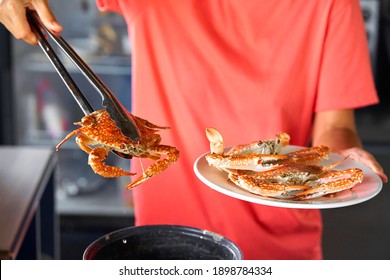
{"x":263,"y":168}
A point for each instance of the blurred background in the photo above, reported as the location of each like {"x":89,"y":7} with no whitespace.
{"x":33,"y":113}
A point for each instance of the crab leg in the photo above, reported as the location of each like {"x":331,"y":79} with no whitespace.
{"x":67,"y":137}
{"x":255,"y":162}
{"x":159,"y":166}
{"x":83,"y":141}
{"x":96,"y":161}
{"x":296,"y":172}
{"x":265,"y":188}
{"x":310,"y":155}
{"x":333,"y":182}
{"x":142,"y":122}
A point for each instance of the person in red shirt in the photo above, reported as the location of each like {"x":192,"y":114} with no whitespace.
{"x":249,"y":69}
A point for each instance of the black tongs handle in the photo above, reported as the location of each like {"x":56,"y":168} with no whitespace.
{"x":123,"y":120}
{"x":70,"y":84}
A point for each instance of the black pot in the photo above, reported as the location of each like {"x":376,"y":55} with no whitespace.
{"x":162,"y":242}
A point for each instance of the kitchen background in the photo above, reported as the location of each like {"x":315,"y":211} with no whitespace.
{"x":37,"y":110}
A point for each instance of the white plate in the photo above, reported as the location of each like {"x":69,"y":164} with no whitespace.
{"x":370,"y":187}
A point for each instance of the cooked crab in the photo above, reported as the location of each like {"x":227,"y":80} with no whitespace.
{"x":273,"y":146}
{"x":99,"y":130}
{"x":298,"y":181}
{"x":259,"y":155}
{"x":256,"y":156}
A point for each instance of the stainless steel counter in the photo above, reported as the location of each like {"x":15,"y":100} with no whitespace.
{"x":28,"y":222}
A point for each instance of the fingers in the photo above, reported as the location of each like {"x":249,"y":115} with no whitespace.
{"x":13,"y":17}
{"x":374,"y":165}
{"x":367,"y":159}
{"x":46,"y":15}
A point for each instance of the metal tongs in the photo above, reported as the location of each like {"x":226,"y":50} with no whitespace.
{"x":123,"y":120}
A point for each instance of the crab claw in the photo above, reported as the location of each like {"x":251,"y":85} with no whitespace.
{"x":254,"y":162}
{"x":216,"y":140}
{"x":265,"y":188}
{"x":310,"y":155}
{"x":96,"y":161}
{"x":333,"y":183}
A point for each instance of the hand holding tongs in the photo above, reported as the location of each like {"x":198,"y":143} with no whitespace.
{"x":111,"y":104}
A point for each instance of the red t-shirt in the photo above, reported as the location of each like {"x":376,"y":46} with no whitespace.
{"x":250,"y":69}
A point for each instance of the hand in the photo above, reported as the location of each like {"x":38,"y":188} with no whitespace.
{"x":13,"y":17}
{"x":366,"y":158}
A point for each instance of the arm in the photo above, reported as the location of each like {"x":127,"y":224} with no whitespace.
{"x":13,"y":17}
{"x":337,"y":130}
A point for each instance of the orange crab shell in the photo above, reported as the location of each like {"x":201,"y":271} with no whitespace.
{"x":103,"y":129}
